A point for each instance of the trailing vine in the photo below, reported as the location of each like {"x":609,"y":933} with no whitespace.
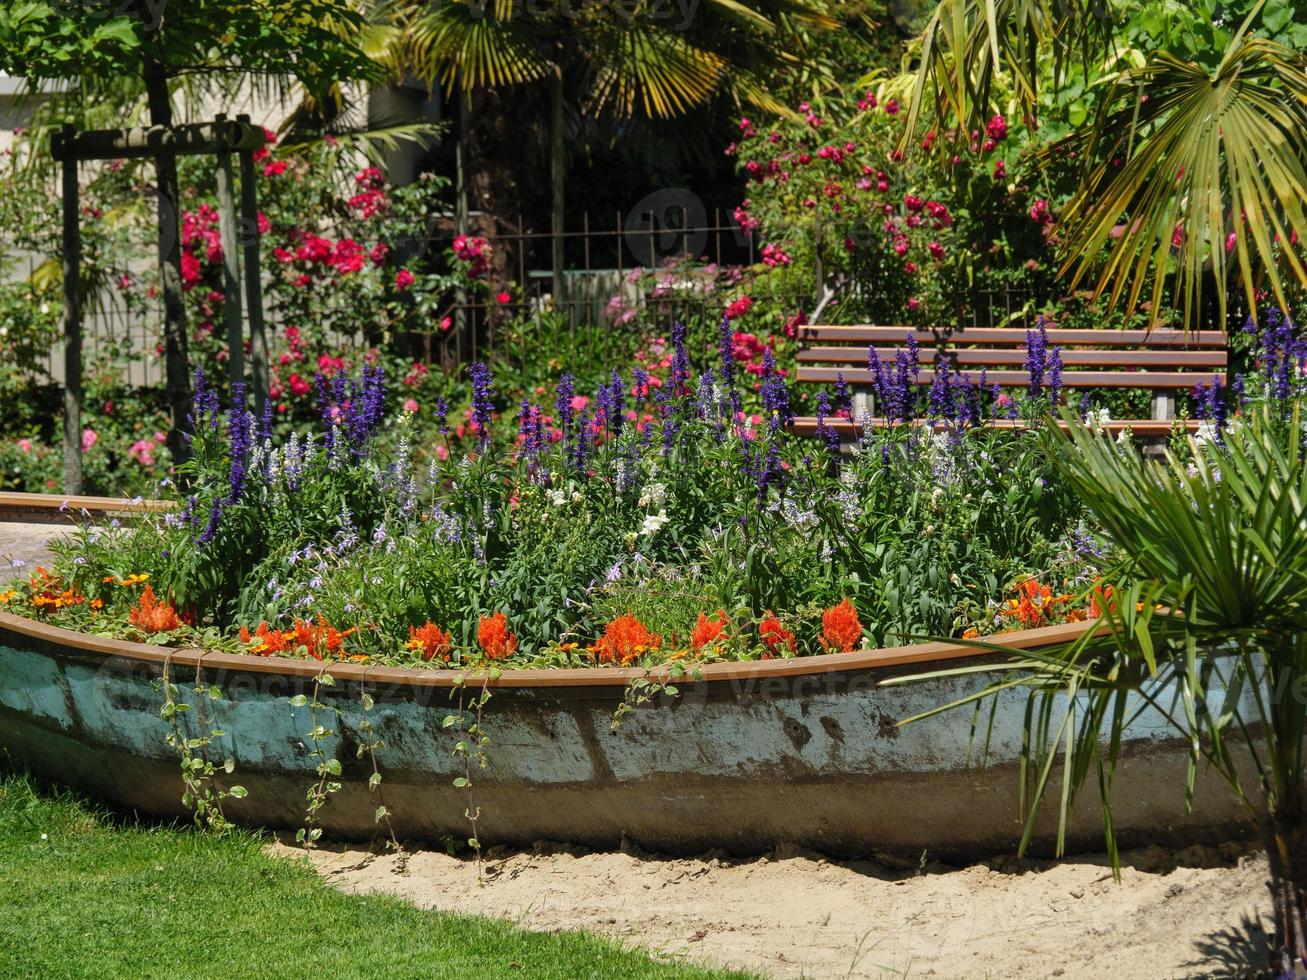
{"x":327,"y":767}
{"x":470,"y":749}
{"x":369,"y":744}
{"x":647,"y":687}
{"x":201,"y":793}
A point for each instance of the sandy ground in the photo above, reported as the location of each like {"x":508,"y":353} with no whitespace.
{"x":1196,"y":913}
{"x":25,"y":543}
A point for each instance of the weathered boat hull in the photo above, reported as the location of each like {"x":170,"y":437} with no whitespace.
{"x":753,"y":755}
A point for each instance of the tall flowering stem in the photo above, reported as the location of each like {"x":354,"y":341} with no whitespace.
{"x":483,"y":405}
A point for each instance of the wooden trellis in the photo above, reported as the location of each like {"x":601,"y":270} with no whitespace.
{"x":222,"y":137}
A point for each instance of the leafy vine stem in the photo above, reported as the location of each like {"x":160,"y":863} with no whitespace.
{"x":470,"y":749}
{"x":328,"y":768}
{"x":201,"y":793}
{"x":370,"y":744}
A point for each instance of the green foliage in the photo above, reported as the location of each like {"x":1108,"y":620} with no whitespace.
{"x":315,"y":40}
{"x":91,"y":893}
{"x":695,"y":509}
{"x":1188,"y":127}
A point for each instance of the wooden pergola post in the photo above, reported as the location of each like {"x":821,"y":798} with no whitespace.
{"x":72,"y":258}
{"x":253,"y":273}
{"x":164,"y":143}
{"x":231,"y":278}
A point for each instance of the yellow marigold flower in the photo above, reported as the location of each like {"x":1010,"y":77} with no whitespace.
{"x":7,"y":596}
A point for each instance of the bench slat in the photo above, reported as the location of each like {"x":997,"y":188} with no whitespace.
{"x":1074,"y":357}
{"x":870,"y":334}
{"x":1017,"y":379}
{"x":847,"y":429}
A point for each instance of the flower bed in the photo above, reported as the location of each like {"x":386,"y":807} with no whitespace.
{"x":653,"y":522}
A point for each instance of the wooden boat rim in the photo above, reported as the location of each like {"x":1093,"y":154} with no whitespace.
{"x":917,"y":654}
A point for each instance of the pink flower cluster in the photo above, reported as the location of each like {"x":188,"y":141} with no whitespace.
{"x":142,"y":450}
{"x":474,"y":252}
{"x":738,"y":308}
{"x":371,"y":197}
{"x":774,"y":255}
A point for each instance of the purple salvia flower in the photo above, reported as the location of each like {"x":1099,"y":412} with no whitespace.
{"x":725,"y":347}
{"x":680,"y":361}
{"x":941,"y":395}
{"x":824,"y":431}
{"x":1036,"y":358}
{"x":843,"y":396}
{"x":483,"y":405}
{"x":211,"y":528}
{"x":1055,"y":374}
{"x":775,"y":396}
{"x":616,"y":403}
{"x":240,"y":431}
{"x":879,"y":383}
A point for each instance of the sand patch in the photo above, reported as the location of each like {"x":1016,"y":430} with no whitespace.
{"x":1196,"y":913}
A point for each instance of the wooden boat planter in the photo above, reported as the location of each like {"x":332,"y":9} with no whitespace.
{"x":753,"y":754}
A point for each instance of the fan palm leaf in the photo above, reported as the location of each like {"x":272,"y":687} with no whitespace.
{"x":1197,"y":172}
{"x":1204,"y":624}
{"x":654,"y":70}
{"x":473,"y":45}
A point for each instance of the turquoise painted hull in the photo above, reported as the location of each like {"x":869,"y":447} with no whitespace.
{"x":806,"y":752}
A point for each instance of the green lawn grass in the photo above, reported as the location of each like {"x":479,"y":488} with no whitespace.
{"x":83,"y":893}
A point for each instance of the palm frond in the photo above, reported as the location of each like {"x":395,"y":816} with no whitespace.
{"x":1194,"y":172}
{"x":651,"y":70}
{"x":467,"y":46}
{"x":968,"y":44}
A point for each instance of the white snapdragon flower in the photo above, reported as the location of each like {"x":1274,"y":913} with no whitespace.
{"x":654,"y":495}
{"x":653,"y":523}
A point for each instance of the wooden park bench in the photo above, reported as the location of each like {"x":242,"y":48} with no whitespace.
{"x":1162,"y":362}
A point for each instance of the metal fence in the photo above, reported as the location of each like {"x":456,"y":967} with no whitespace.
{"x":616,"y":273}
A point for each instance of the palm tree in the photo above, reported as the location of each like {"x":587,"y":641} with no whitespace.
{"x":1190,"y":169}
{"x":602,"y":60}
{"x":1205,"y":622}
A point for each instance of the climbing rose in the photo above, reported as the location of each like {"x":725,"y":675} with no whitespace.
{"x":403,"y":279}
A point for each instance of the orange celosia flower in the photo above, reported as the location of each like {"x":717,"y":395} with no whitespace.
{"x":707,"y":631}
{"x":430,"y":641}
{"x":841,"y":630}
{"x":624,"y":640}
{"x":319,"y":640}
{"x":494,"y":637}
{"x":1101,"y":600}
{"x":1035,"y":604}
{"x":775,"y":637}
{"x":152,"y":615}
